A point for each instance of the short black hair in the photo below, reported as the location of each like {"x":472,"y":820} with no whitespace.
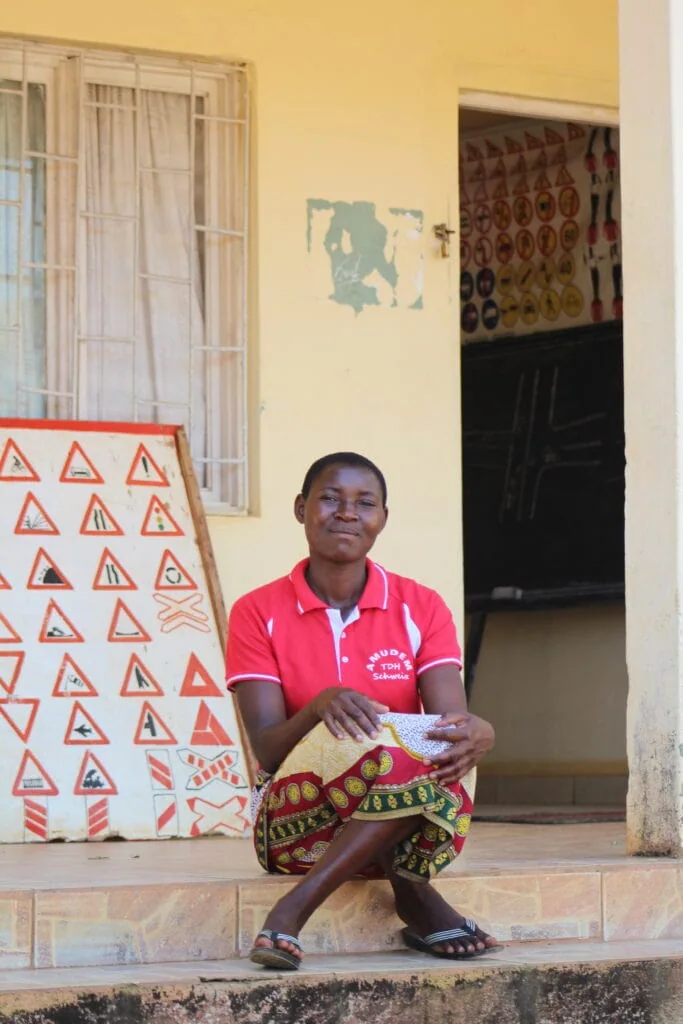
{"x":343,"y":459}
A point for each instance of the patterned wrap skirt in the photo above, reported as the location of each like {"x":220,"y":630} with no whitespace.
{"x":324,"y":782}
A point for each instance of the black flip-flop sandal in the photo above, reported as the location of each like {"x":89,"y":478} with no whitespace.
{"x":273,"y":956}
{"x":465,"y":935}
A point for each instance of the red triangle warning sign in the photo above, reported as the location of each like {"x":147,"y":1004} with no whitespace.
{"x":93,"y":779}
{"x":110,"y":574}
{"x":513,"y":146}
{"x":575,"y":131}
{"x":57,"y":628}
{"x":10,"y":667}
{"x":20,"y":715}
{"x":532,"y":141}
{"x":139,"y":681}
{"x":521,"y":188}
{"x":145,"y":471}
{"x":158,"y":521}
{"x":15,"y":466}
{"x":208,"y":731}
{"x":124,"y":627}
{"x":197,"y":682}
{"x":4,"y":583}
{"x":78,"y":469}
{"x":501,"y":190}
{"x":151,"y":729}
{"x":560,"y":157}
{"x":34,"y":519}
{"x":72,"y":681}
{"x":45,"y":575}
{"x":473,"y":152}
{"x":541,"y":182}
{"x":492,"y":149}
{"x":480,"y":193}
{"x":32,"y":779}
{"x":564,"y":177}
{"x":172,"y":575}
{"x":464,"y":198}
{"x":498,"y":171}
{"x":82,"y":729}
{"x":8,"y":635}
{"x":520,"y":166}
{"x":541,"y":161}
{"x":552,"y":137}
{"x":478,"y":174}
{"x":99,"y":520}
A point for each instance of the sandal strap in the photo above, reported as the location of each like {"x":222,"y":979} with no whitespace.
{"x":268,"y":933}
{"x":468,"y":931}
{"x":450,"y":933}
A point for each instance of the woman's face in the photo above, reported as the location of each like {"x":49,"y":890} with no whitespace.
{"x":343,"y":514}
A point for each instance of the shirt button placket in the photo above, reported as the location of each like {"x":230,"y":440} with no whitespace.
{"x":344,"y":659}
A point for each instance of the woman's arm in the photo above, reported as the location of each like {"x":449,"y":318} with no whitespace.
{"x":253,"y":673}
{"x":442,"y":692}
{"x":471,"y":737}
{"x":272,"y":735}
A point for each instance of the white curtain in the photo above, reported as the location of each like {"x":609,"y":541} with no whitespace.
{"x":139,"y":351}
{"x":140,"y":283}
{"x":22,"y":290}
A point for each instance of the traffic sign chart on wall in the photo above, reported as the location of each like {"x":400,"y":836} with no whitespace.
{"x":112,"y":700}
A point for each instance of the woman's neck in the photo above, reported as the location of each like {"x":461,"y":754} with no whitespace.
{"x":339,"y":585}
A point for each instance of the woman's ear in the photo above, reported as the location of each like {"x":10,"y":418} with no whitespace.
{"x":299,"y":504}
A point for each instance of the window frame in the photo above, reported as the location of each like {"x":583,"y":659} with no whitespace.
{"x":28,"y":62}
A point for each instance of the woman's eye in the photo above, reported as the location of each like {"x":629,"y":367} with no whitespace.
{"x":367,"y":503}
{"x":328,"y":497}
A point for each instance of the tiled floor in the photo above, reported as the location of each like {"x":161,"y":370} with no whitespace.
{"x":490,"y":848}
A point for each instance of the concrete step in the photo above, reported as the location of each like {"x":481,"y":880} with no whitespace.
{"x":103,"y":904}
{"x":571,"y":983}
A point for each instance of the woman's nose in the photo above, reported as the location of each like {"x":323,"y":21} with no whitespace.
{"x":346,"y":510}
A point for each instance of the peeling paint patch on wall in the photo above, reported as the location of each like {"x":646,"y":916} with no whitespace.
{"x":374,"y":258}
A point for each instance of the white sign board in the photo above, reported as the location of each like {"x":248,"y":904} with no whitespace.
{"x":114,"y":718}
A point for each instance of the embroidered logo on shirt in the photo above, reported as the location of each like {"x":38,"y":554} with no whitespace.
{"x":390,"y":663}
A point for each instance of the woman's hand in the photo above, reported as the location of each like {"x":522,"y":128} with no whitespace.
{"x":347,"y":713}
{"x":470,"y":738}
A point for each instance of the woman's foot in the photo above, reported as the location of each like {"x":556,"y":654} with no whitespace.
{"x":425,"y":911}
{"x":282,"y":918}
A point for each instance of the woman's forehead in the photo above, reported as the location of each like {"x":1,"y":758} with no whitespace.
{"x":357,"y":478}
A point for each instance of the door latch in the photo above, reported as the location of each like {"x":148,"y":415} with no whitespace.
{"x":443,"y":233}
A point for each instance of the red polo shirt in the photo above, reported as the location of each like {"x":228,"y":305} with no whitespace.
{"x":283,"y":633}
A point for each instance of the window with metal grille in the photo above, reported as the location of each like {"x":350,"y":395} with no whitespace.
{"x":123,"y":227}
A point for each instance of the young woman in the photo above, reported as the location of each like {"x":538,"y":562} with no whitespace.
{"x":347,"y":678}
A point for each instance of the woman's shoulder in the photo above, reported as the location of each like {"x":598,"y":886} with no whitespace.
{"x":265,"y":596}
{"x":410,"y":591}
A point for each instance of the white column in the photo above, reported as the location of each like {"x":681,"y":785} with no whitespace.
{"x":651,"y":118}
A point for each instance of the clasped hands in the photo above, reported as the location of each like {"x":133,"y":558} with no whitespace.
{"x":348,"y":713}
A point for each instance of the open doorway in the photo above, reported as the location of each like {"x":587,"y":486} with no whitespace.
{"x":543,"y":460}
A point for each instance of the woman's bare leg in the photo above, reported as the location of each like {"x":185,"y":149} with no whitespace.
{"x":424,"y":910}
{"x":360,"y":843}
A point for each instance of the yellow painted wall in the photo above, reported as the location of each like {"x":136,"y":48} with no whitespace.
{"x":555,"y":685}
{"x":355,"y":102}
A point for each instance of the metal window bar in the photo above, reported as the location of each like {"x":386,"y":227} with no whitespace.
{"x":217,"y":119}
{"x":193,"y":258}
{"x":244,"y":496}
{"x":36,"y":62}
{"x":80,"y":347}
{"x":22,"y":189}
{"x":52,"y":156}
{"x":137,"y":122}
